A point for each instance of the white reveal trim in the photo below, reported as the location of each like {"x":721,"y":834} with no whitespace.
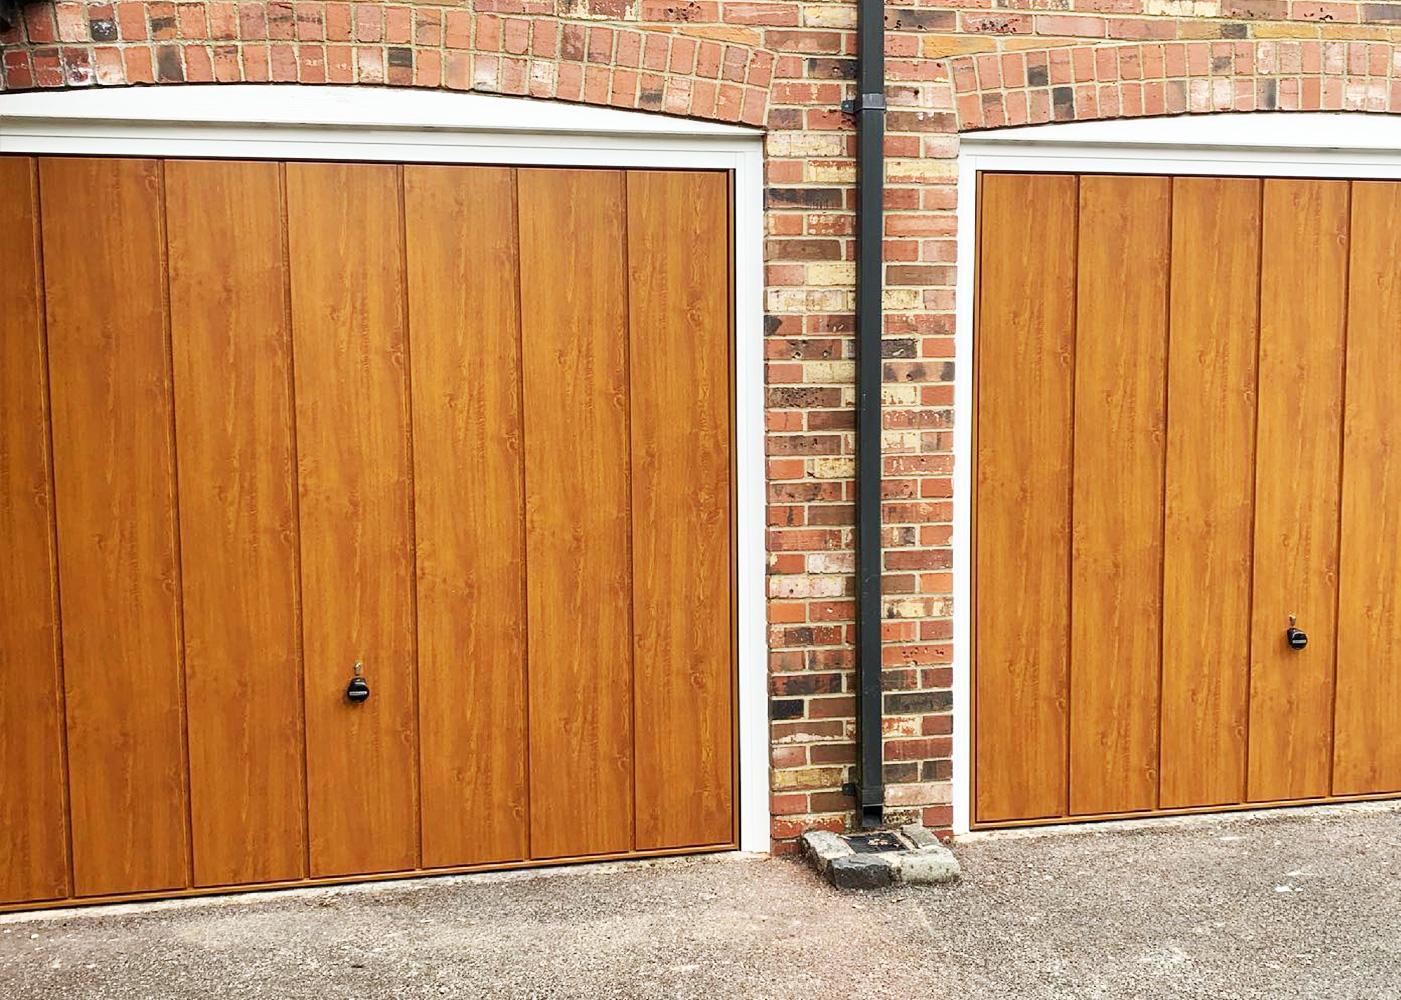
{"x":1258,"y":144}
{"x":411,"y":126}
{"x":349,"y":107}
{"x":1318,"y":131}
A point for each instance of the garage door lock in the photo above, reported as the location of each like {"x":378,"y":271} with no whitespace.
{"x":358,"y":689}
{"x":1297,"y":637}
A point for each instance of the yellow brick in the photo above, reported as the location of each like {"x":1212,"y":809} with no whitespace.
{"x":785,"y":300}
{"x":906,"y":442}
{"x":1183,"y":8}
{"x":829,"y":16}
{"x":916,"y":171}
{"x":832,"y":273}
{"x":833,"y":468}
{"x":1284,"y":30}
{"x":812,"y":143}
{"x":807,"y":777}
{"x":777,"y":144}
{"x":831,"y":300}
{"x":829,"y":371}
{"x":1355,"y":32}
{"x":830,"y":173}
{"x":898,"y":395}
{"x":939,"y":46}
{"x":906,"y":299}
{"x":807,"y":586}
{"x":801,"y":737}
{"x":904,"y":609}
{"x":934,"y":793}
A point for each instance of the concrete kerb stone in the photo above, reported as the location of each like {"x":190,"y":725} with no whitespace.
{"x":921,"y":837}
{"x":823,"y":847}
{"x":926,"y":866}
{"x":920,"y":859}
{"x":862,"y":871}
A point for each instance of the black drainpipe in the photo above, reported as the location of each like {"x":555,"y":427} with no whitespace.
{"x":869,"y":109}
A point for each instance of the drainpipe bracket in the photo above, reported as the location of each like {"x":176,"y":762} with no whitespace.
{"x":864,"y":102}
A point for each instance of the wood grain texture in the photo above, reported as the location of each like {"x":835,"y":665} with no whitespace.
{"x":465,"y":329}
{"x":1367,"y":750}
{"x":574,"y":330}
{"x":1117,"y":548}
{"x":33,"y":786}
{"x":233,"y":418}
{"x":1210,"y":490}
{"x":1026,"y":360}
{"x":352,"y":419}
{"x":114,"y":478}
{"x":1303,"y":297}
{"x":679,"y":310}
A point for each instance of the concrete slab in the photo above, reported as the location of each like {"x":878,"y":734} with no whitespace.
{"x":1291,"y":906}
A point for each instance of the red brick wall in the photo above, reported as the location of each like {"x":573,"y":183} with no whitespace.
{"x":952,"y":64}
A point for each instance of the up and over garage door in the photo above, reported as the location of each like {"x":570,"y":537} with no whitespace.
{"x":462,"y":432}
{"x":1188,"y":443}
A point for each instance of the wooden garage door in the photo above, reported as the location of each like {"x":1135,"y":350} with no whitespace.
{"x":1188,"y":431}
{"x":467,"y":427}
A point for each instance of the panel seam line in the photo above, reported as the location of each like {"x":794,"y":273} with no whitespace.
{"x":1342,"y":480}
{"x":167,"y":323}
{"x":56,"y":591}
{"x":298,"y":597}
{"x":1163,"y":495}
{"x":407,"y":362}
{"x":1254,"y":483}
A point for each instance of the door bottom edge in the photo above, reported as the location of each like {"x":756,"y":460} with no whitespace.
{"x":367,"y":879}
{"x":1275,"y":805}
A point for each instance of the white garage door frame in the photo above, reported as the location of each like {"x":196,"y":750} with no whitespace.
{"x":290,"y":122}
{"x":1354,"y":145}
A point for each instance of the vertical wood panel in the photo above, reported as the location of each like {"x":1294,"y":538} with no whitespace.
{"x":1120,"y":413}
{"x":574,"y":329}
{"x":1026,"y":351}
{"x":1367,"y":750}
{"x":678,"y":286}
{"x":352,"y":413}
{"x":33,"y":803}
{"x":1303,"y":294}
{"x":233,"y":418}
{"x":1210,"y":489}
{"x":463,"y":309}
{"x":115,"y":497}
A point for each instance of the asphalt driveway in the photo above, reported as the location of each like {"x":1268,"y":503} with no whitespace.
{"x":1296,"y":904}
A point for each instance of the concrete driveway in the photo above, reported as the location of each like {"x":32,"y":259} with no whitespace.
{"x":1294,"y":904}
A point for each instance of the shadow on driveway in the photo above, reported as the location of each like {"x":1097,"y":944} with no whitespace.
{"x":1294,"y":904}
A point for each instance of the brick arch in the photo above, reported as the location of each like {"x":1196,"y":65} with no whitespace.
{"x":660,"y":69}
{"x":1084,"y":83}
